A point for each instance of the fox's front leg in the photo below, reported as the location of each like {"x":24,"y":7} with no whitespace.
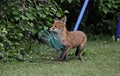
{"x":61,"y":58}
{"x":63,"y":55}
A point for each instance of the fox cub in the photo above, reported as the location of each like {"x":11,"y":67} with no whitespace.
{"x":70,"y":39}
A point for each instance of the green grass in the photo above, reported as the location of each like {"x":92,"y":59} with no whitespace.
{"x":100,"y":58}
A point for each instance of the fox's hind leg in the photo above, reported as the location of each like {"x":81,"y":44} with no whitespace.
{"x":78,"y":52}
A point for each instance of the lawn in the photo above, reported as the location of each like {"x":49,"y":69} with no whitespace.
{"x":100,"y":58}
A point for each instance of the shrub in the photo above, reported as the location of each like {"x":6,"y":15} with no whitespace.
{"x":21,"y":19}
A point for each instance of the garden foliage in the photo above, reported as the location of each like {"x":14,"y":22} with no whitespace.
{"x":21,"y":19}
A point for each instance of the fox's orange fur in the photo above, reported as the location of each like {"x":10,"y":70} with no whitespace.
{"x":69,"y":39}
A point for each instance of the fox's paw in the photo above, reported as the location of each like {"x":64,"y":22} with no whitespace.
{"x":60,"y":59}
{"x":79,"y":58}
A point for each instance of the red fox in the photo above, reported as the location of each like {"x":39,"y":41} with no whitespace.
{"x":70,"y":39}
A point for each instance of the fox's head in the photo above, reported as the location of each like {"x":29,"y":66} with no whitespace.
{"x":59,"y":25}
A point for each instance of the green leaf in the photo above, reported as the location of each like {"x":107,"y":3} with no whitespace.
{"x":66,"y":11}
{"x":70,"y":1}
{"x":1,"y":44}
{"x":24,"y":17}
{"x":4,"y":30}
{"x":20,"y":34}
{"x":61,"y":1}
{"x":45,"y":27}
{"x":30,"y":16}
{"x":17,"y":18}
{"x":30,"y":24}
{"x":58,"y":14}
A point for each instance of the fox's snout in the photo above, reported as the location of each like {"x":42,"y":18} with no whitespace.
{"x":52,"y":29}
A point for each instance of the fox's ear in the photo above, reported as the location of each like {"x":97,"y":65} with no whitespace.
{"x":64,"y":20}
{"x":56,"y":19}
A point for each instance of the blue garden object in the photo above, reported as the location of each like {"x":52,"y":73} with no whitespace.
{"x":118,"y":30}
{"x":81,"y":15}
